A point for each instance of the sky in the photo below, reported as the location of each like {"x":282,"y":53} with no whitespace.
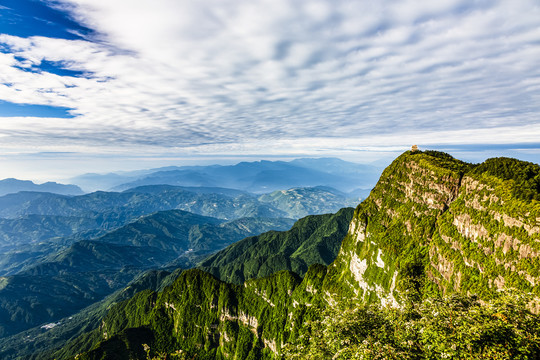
{"x":101,"y":85}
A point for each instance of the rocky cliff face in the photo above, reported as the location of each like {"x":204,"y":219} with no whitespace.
{"x":434,"y":225}
{"x":202,"y":315}
{"x":489,"y":238}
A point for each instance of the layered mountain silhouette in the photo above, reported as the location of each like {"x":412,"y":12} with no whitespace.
{"x":9,"y":186}
{"x":432,"y":227}
{"x":258,"y":176}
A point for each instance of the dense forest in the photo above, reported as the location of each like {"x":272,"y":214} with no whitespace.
{"x":441,"y":261}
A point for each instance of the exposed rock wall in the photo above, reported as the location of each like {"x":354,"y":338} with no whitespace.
{"x":465,"y":229}
{"x":431,"y":226}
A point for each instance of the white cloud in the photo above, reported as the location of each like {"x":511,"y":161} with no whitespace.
{"x":206,"y":75}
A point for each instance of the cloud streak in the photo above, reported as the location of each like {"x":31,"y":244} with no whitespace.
{"x":236,"y":75}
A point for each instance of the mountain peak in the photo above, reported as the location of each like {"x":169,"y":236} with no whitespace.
{"x":433,"y":223}
{"x":11,"y":185}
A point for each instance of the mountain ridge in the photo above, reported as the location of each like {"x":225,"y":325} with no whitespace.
{"x":462,"y":224}
{"x":11,"y":185}
{"x":258,"y":176}
{"x":422,"y":232}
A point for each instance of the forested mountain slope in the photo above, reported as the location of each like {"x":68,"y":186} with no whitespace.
{"x":454,"y":227}
{"x":432,"y":226}
{"x":45,"y":341}
{"x":314,"y":239}
{"x":87,"y":271}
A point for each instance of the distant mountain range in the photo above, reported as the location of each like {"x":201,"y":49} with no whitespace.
{"x":313,"y":239}
{"x":62,"y":283}
{"x":257,"y":177}
{"x":440,"y":261}
{"x":254,"y":177}
{"x":34,"y":225}
{"x":107,"y":210}
{"x":9,"y":186}
{"x":63,"y":253}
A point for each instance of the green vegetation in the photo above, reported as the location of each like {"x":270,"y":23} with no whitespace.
{"x":434,"y":225}
{"x":198,"y":297}
{"x":433,"y":232}
{"x":201,"y":316}
{"x":313,"y":239}
{"x":88,"y":271}
{"x":525,"y":175}
{"x":9,"y":186}
{"x":455,"y":327}
{"x":279,"y":318}
{"x":45,"y":342}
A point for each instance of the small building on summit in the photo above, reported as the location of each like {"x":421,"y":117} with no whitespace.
{"x":414,"y":148}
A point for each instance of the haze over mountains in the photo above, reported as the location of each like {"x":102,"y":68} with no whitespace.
{"x":9,"y":186}
{"x":255,"y":177}
{"x":432,"y":227}
{"x":258,"y":176}
{"x":61,"y":253}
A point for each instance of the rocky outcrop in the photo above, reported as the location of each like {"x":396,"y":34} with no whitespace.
{"x":460,"y":230}
{"x":432,"y":225}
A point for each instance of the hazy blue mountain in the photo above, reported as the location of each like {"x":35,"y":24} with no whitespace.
{"x":93,"y":182}
{"x":36,"y":228}
{"x":113,"y":209}
{"x":338,"y":166}
{"x":359,"y":193}
{"x":40,"y":224}
{"x":10,"y":186}
{"x":266,"y":176}
{"x":85,"y":272}
{"x":300,"y":202}
{"x":155,"y":189}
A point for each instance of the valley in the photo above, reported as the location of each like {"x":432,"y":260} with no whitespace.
{"x":435,"y":235}
{"x":391,"y":257}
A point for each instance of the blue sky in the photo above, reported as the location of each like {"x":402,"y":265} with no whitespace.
{"x":100,"y":85}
